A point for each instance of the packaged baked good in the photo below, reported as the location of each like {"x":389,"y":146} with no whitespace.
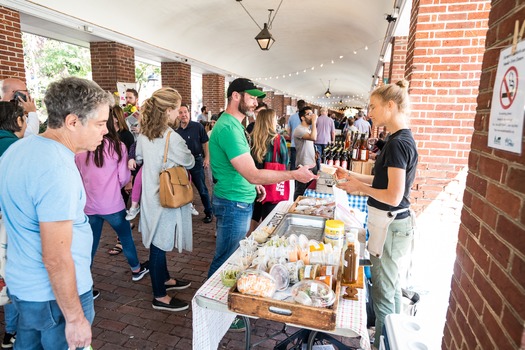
{"x":256,"y":282}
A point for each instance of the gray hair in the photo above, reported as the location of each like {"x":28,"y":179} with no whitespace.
{"x":74,"y":96}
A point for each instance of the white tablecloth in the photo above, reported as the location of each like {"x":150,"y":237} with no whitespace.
{"x":212,"y":319}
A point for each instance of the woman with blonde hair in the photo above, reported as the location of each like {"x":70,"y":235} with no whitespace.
{"x":263,"y":137}
{"x":390,"y":220}
{"x":162,"y":228}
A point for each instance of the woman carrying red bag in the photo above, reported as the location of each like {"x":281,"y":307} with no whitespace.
{"x":269,"y":151}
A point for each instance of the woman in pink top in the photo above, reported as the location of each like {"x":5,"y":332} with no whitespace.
{"x":104,"y":173}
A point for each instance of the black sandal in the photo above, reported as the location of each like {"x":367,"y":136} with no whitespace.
{"x":116,"y":250}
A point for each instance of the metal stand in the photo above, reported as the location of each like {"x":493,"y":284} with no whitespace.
{"x":248,"y":334}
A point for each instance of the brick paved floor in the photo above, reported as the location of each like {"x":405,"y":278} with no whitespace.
{"x":124,"y":316}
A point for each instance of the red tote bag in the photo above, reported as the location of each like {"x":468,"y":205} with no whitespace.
{"x":278,"y":192}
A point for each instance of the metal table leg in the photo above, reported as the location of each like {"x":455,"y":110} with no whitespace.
{"x":248,"y":332}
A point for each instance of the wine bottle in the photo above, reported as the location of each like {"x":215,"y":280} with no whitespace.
{"x":344,"y":160}
{"x":330,"y":159}
{"x":355,"y":147}
{"x":337,"y":159}
{"x":363,"y":149}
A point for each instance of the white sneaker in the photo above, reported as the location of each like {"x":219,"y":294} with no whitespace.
{"x":132,"y":213}
{"x":194,"y":211}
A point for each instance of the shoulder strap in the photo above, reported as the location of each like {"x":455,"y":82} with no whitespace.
{"x":166,"y":147}
{"x":276,"y":147}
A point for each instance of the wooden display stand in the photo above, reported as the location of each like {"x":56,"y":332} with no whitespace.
{"x":351,"y":289}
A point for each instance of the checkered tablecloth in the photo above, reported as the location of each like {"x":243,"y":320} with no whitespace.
{"x":212,"y":319}
{"x":358,"y":202}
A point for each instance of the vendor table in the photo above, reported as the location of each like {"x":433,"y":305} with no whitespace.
{"x":212,"y":319}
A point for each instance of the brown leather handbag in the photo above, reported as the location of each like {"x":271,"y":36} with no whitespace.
{"x":175,"y":188}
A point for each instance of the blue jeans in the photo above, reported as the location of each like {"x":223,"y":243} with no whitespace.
{"x":293,"y":151}
{"x":158,"y":271}
{"x":319,"y":148}
{"x":41,"y":325}
{"x":233,"y":222}
{"x":121,"y":226}
{"x":10,"y":317}
{"x":198,"y":177}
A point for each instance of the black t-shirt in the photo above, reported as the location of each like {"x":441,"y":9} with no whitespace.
{"x":195,"y":136}
{"x":399,"y":151}
{"x":126,"y":137}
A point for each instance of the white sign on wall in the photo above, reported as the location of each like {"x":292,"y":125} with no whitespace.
{"x":508,"y":101}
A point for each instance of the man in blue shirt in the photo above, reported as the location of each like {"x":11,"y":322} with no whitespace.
{"x":197,"y":141}
{"x":42,"y":202}
{"x":293,"y":122}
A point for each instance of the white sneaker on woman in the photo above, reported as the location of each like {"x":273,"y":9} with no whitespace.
{"x":132,"y":213}
{"x":194,"y":211}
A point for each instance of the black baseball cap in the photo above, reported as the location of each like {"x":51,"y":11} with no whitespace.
{"x":244,"y":85}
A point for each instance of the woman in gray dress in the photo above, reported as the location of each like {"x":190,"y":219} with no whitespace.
{"x":162,"y":228}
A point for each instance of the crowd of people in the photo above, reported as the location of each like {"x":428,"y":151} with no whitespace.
{"x":102,"y":164}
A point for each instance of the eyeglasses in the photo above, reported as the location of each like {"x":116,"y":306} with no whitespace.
{"x":309,"y":113}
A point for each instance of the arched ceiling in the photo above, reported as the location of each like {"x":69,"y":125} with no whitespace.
{"x":317,"y":43}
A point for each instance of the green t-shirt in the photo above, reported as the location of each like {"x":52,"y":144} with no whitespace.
{"x":228,"y":141}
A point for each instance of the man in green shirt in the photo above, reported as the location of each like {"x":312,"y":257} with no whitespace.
{"x":237,"y":180}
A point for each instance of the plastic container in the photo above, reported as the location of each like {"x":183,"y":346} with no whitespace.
{"x":281,"y":276}
{"x":334,"y":232}
{"x":313,"y":293}
{"x":256,"y":282}
{"x":293,"y":271}
{"x":229,"y":277}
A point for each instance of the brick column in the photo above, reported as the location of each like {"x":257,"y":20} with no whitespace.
{"x":213,"y":92}
{"x":11,"y":49}
{"x":278,"y":104}
{"x":112,"y":62}
{"x":269,"y":99}
{"x":486,"y":307}
{"x":177,"y":75}
{"x":445,"y":50}
{"x":398,"y":60}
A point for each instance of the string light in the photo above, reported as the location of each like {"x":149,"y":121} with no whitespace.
{"x":321,"y":65}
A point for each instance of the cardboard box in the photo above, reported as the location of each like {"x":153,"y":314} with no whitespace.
{"x":325,"y":182}
{"x":364,"y":168}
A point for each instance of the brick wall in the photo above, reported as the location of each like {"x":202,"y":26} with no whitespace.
{"x":213,"y":92}
{"x":398,"y":60}
{"x":445,"y":50}
{"x":278,"y":105}
{"x":177,"y":75}
{"x":11,"y":49}
{"x":112,"y":62}
{"x":487,"y":308}
{"x":269,"y":100}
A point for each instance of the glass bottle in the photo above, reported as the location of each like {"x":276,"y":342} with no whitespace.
{"x":363,"y":149}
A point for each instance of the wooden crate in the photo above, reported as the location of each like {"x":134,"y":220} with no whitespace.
{"x":284,"y":311}
{"x":294,"y":205}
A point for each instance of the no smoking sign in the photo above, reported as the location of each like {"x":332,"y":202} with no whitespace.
{"x":509,"y":87}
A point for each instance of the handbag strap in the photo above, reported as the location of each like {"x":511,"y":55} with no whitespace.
{"x":166,"y":147}
{"x":276,"y":147}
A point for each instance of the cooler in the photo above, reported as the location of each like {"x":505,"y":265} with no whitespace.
{"x":403,"y":332}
